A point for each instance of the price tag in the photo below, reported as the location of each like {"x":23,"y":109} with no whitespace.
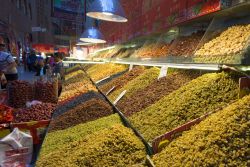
{"x":131,"y":67}
{"x":97,"y":82}
{"x":163,"y":72}
{"x":110,"y":90}
{"x":119,"y":97}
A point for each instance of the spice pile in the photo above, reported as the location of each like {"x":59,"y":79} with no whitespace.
{"x":114,"y":146}
{"x":123,"y":79}
{"x":186,"y":45}
{"x":220,"y":140}
{"x":37,"y":112}
{"x":155,"y":91}
{"x":203,"y":94}
{"x":138,"y":83}
{"x":228,"y":47}
{"x":87,"y":111}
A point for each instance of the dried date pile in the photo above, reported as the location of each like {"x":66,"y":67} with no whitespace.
{"x":19,"y":93}
{"x":37,"y":112}
{"x":46,"y":92}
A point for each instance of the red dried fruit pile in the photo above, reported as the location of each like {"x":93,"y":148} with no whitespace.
{"x":155,"y":92}
{"x":122,"y":80}
{"x":19,"y":92}
{"x":87,"y":111}
{"x":46,"y":92}
{"x":37,"y":112}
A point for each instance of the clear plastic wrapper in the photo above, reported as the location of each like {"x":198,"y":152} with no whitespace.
{"x":19,"y":92}
{"x":46,"y":89}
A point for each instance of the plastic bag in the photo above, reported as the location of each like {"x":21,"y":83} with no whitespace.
{"x":34,"y":102}
{"x":16,"y":149}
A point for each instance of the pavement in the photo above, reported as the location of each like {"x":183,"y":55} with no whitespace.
{"x":25,"y":75}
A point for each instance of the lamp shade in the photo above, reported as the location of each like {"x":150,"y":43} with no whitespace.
{"x":92,"y":35}
{"x":80,"y":43}
{"x":108,"y":10}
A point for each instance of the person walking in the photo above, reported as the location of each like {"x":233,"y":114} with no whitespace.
{"x":7,"y":63}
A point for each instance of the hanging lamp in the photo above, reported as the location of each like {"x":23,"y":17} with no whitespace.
{"x":92,"y":35}
{"x":80,"y":43}
{"x":108,"y":10}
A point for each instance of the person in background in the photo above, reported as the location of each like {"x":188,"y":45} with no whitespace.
{"x":7,"y":64}
{"x":58,"y":67}
{"x":41,"y":68}
{"x":51,"y":61}
{"x":24,"y":58}
{"x":32,"y":60}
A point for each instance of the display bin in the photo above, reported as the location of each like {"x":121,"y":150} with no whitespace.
{"x":46,"y":89}
{"x":125,"y":121}
{"x":156,"y":46}
{"x":159,"y":142}
{"x":227,"y":39}
{"x":183,"y":47}
{"x":19,"y":92}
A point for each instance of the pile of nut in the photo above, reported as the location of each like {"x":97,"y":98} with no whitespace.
{"x":227,"y":47}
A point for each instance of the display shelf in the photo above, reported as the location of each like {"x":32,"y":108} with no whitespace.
{"x":83,"y":62}
{"x":212,"y":67}
{"x":125,"y":121}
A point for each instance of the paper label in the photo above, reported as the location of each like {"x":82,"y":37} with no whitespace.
{"x":97,"y":82}
{"x":110,"y":90}
{"x":131,"y":67}
{"x":119,"y":97}
{"x":163,"y":72}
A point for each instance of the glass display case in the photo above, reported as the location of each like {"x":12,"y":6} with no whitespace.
{"x":227,"y":40}
{"x":183,"y":47}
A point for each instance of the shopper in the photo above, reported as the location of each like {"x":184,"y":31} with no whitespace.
{"x":24,"y":60}
{"x":41,"y":68}
{"x":58,"y":68}
{"x":32,"y":60}
{"x":7,"y":63}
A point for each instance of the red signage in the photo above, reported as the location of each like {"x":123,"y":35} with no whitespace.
{"x":146,"y":17}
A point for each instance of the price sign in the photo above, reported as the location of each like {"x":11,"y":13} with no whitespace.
{"x":119,"y":97}
{"x":110,"y":90}
{"x":163,"y":72}
{"x":131,"y":67}
{"x":97,"y":82}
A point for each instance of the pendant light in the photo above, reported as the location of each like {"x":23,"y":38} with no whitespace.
{"x":108,"y":10}
{"x":80,"y":43}
{"x":92,"y":35}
